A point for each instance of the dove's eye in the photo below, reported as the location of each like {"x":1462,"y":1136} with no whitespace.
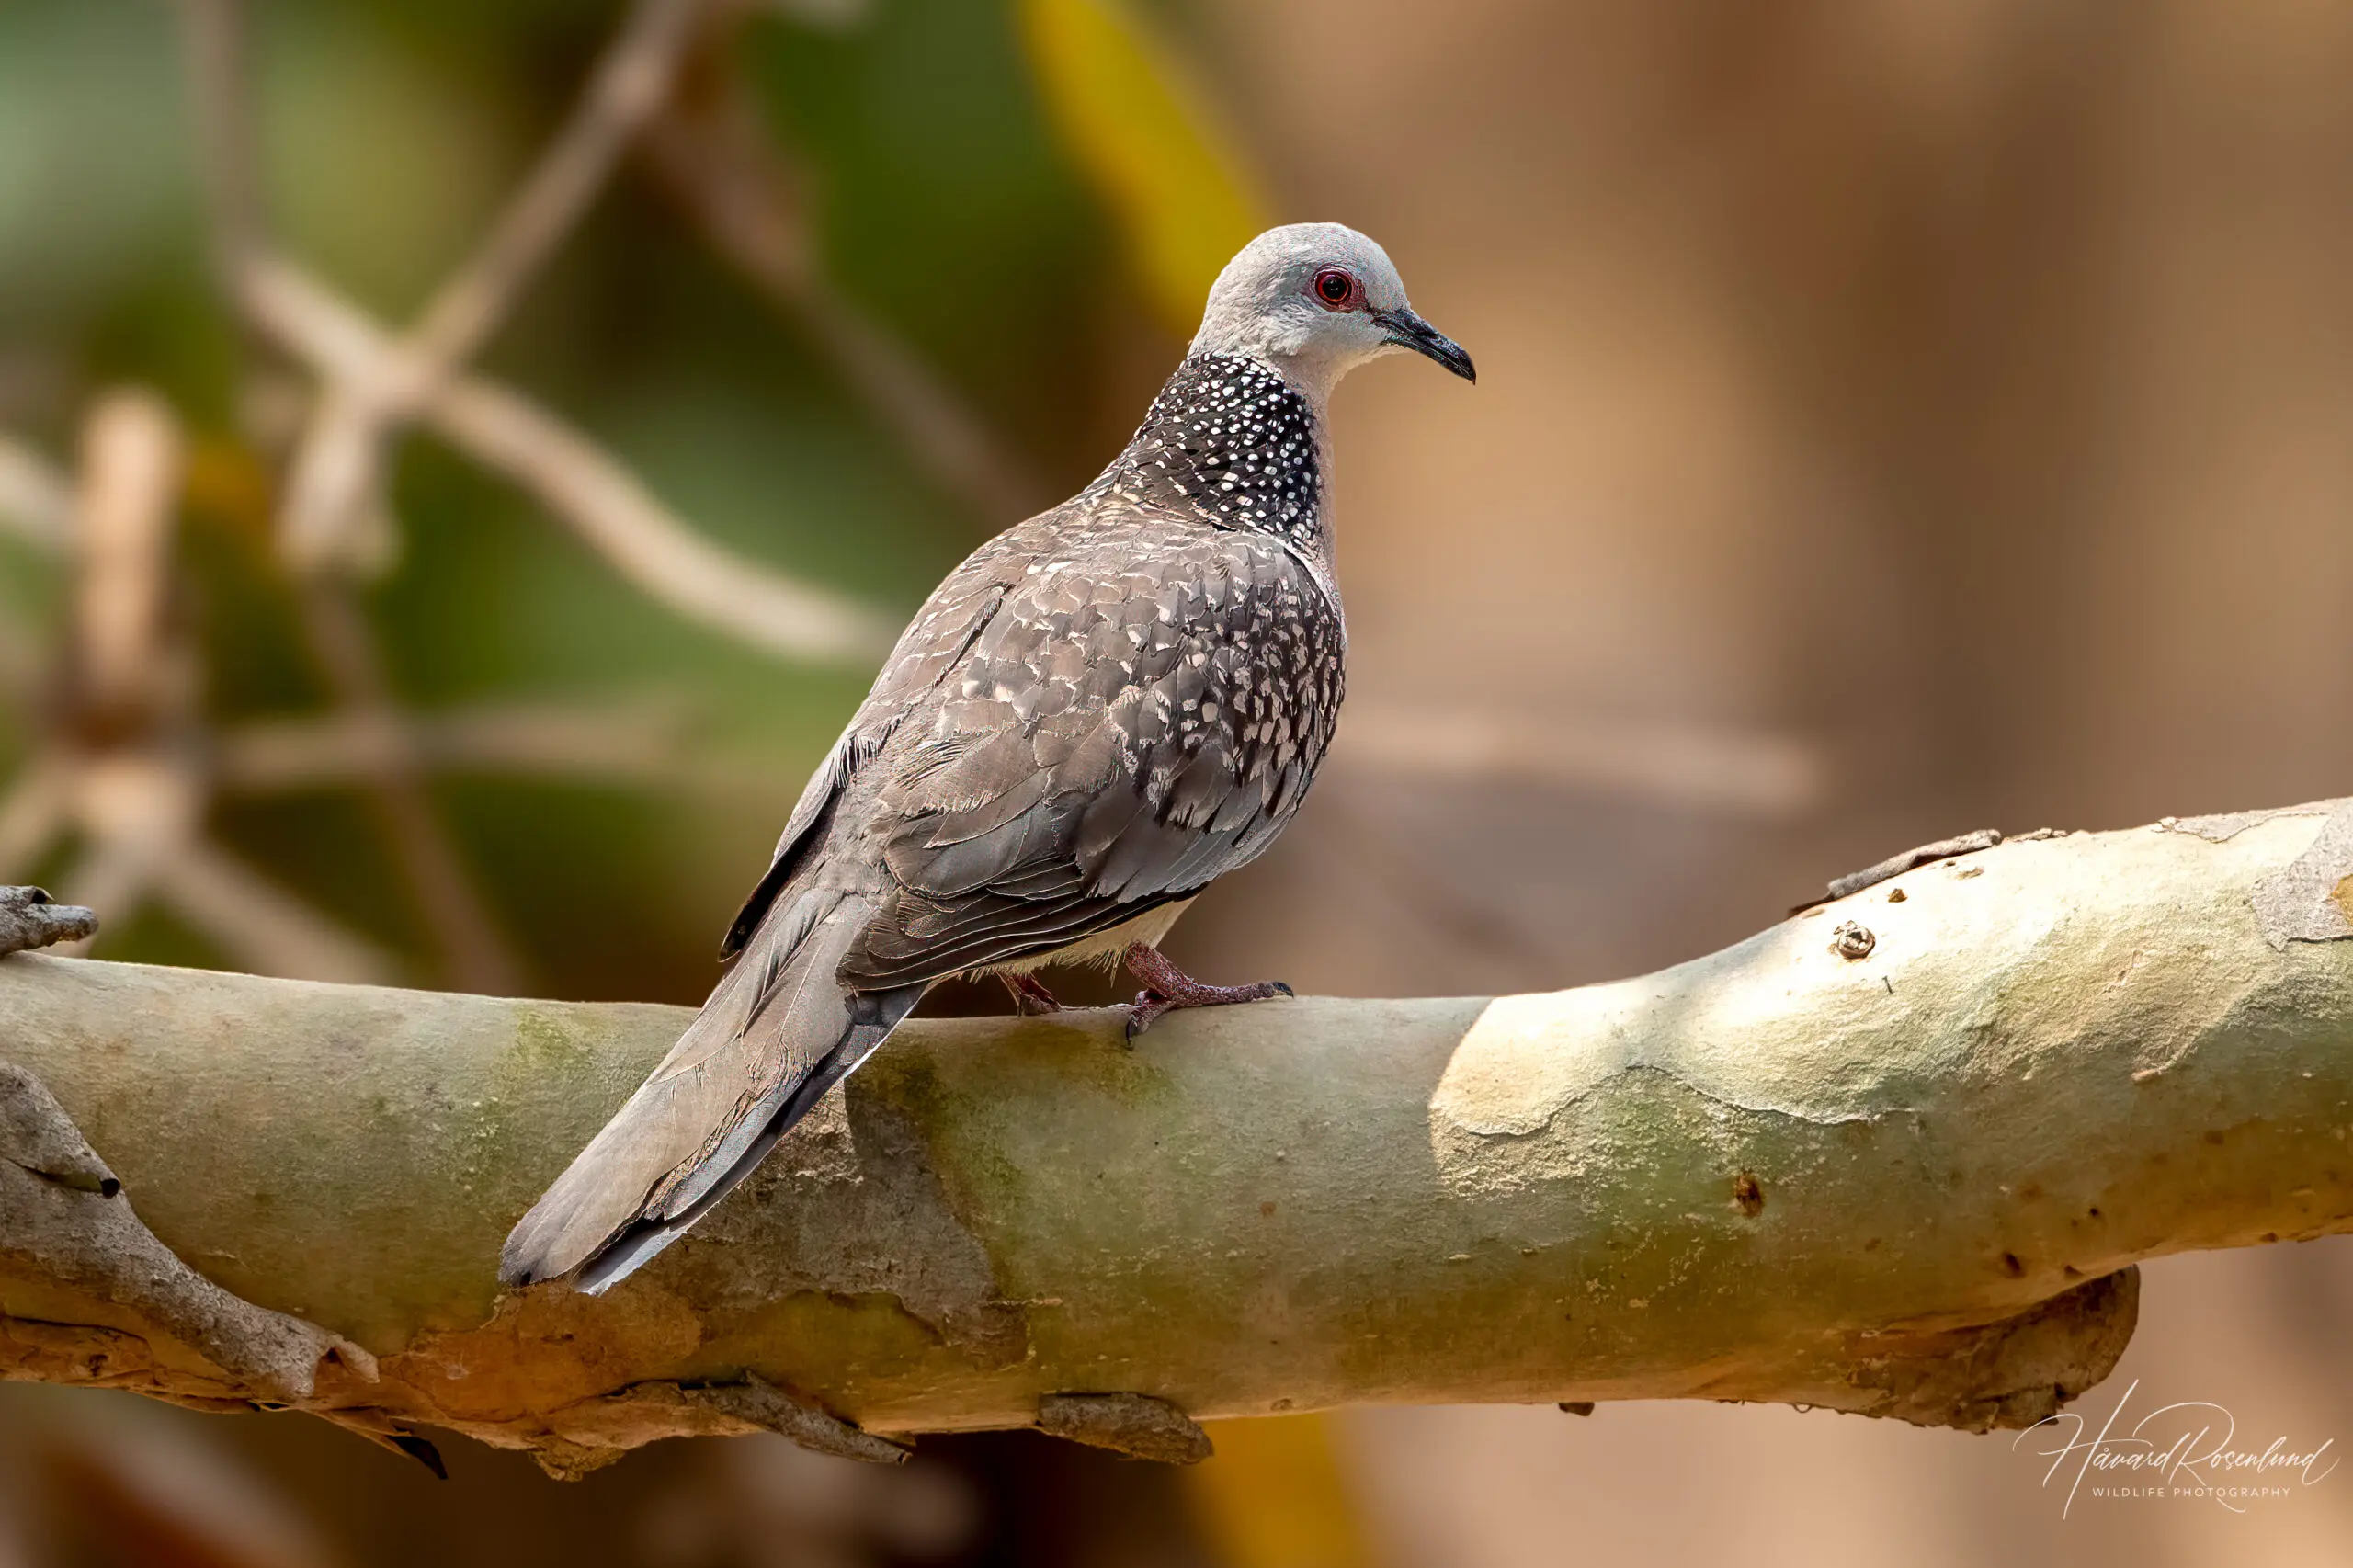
{"x":1335,"y":288}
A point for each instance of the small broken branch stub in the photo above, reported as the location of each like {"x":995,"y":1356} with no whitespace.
{"x":28,"y":920}
{"x":1136,"y":1425}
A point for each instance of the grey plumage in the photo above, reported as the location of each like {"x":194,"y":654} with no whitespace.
{"x":1096,"y":714}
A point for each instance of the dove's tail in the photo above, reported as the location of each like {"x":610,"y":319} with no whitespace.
{"x":778,"y":1032}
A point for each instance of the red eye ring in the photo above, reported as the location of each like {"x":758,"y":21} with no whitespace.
{"x":1336,"y":288}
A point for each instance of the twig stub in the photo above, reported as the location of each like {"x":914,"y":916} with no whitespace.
{"x":1135,"y":1425}
{"x":28,"y":920}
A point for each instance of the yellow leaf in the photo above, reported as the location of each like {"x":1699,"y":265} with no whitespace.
{"x":1181,"y":199}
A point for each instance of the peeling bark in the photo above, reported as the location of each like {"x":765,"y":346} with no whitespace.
{"x":1906,"y":1177}
{"x":1134,"y":1424}
{"x":63,"y":1220}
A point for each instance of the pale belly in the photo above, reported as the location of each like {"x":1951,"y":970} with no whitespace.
{"x":1105,"y":946}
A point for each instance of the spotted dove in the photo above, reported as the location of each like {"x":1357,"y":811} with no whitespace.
{"x":1097,"y":715}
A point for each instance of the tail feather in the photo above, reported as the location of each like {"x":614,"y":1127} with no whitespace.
{"x":777,"y":1032}
{"x":717,"y":1176}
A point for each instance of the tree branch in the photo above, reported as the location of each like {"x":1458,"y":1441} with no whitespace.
{"x":580,"y":485}
{"x":474,"y":951}
{"x":1908,"y":1183}
{"x":336,"y":473}
{"x":644,"y":746}
{"x":375,"y":381}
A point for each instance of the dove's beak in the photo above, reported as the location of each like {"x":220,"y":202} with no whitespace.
{"x":1407,"y":330}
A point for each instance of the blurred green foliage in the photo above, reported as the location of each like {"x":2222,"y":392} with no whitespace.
{"x":974,"y":172}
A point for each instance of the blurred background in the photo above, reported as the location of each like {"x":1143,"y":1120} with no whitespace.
{"x":458,"y":465}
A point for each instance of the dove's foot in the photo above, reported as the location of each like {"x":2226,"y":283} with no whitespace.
{"x":1167,"y":988}
{"x":1030,"y":997}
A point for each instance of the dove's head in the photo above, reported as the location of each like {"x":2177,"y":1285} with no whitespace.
{"x":1315,"y":300}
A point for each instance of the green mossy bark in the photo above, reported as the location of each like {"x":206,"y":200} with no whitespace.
{"x":1904,"y":1183}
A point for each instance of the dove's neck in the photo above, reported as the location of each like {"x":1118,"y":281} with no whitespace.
{"x":1236,"y":443}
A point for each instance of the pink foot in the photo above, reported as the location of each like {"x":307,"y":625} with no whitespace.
{"x":1030,"y":997}
{"x":1167,"y":988}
